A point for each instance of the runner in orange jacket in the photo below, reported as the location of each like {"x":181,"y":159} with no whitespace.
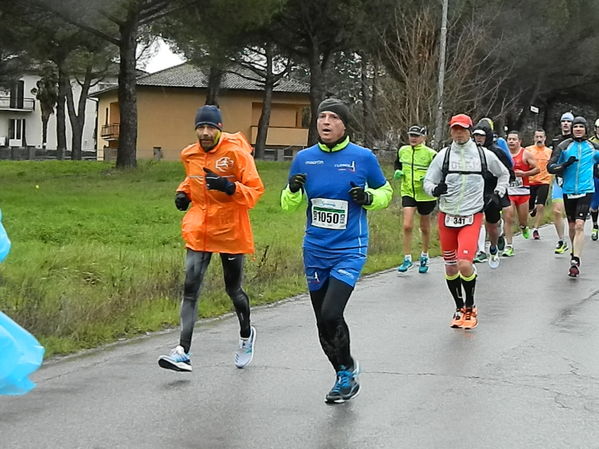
{"x":222,"y":185}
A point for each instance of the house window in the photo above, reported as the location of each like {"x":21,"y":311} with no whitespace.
{"x":17,"y":95}
{"x":16,"y":128}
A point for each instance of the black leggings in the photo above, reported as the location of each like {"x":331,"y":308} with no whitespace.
{"x":329,"y":303}
{"x":196,"y":264}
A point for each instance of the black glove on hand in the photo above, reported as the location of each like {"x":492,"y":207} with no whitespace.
{"x":216,"y":182}
{"x":182,"y":201}
{"x":359,"y":195}
{"x":297,"y":182}
{"x":570,"y":161}
{"x":440,"y":189}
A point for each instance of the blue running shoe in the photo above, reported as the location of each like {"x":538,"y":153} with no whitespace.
{"x":245,"y":353}
{"x":346,"y":386}
{"x":405,"y":266}
{"x":177,"y":360}
{"x":423,"y":268}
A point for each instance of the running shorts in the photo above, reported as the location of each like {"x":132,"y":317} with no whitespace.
{"x":493,"y":212}
{"x":577,"y":208}
{"x":320,"y":265}
{"x":595,"y":200}
{"x":556,"y":192}
{"x":520,"y":199}
{"x":538,"y":195}
{"x":423,"y":207}
{"x":463,"y":242}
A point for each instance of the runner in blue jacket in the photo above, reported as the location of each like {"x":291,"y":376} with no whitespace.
{"x":340,"y":181}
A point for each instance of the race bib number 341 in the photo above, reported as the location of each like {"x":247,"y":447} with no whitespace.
{"x":329,"y":214}
{"x":458,"y":221}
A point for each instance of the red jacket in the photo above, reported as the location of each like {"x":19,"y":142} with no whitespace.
{"x":218,"y":222}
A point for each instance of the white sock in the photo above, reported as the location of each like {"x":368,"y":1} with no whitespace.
{"x":408,"y":257}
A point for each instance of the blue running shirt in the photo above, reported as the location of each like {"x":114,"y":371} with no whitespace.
{"x":334,"y":221}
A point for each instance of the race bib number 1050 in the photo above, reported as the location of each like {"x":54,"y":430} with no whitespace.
{"x":329,"y":214}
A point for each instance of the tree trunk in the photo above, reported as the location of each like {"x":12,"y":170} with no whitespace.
{"x":366,"y":103}
{"x":316,"y":92}
{"x":214,"y":80}
{"x":61,"y":131}
{"x":78,"y":117}
{"x":126,"y":154}
{"x":264,"y":121}
{"x":44,"y":131}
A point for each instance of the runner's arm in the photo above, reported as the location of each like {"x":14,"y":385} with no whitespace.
{"x":434,"y":173}
{"x":499,"y":170}
{"x":381,"y":197}
{"x":532,"y":163}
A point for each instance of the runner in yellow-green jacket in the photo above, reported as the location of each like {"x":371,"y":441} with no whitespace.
{"x":411,"y":165}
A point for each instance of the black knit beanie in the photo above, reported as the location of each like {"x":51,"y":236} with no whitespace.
{"x":209,"y":115}
{"x":336,"y":106}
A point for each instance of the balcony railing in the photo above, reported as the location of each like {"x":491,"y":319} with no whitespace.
{"x":16,"y":104}
{"x":110,"y":132}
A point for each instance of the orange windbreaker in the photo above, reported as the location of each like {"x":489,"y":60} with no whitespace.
{"x":217,"y":222}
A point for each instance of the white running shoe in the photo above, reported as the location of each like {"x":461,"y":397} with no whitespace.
{"x":177,"y":360}
{"x":245,"y":353}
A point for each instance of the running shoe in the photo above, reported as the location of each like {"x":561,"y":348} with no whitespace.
{"x":346,"y":387}
{"x":574,"y":270}
{"x":561,"y":247}
{"x":481,"y":256}
{"x":470,"y":318}
{"x":245,"y":354}
{"x":405,"y":266}
{"x":536,"y":235}
{"x":423,"y":268}
{"x":458,"y":318}
{"x":525,"y":232}
{"x":501,"y":243}
{"x":177,"y":360}
{"x":509,"y":251}
{"x":595,"y":233}
{"x":493,"y":257}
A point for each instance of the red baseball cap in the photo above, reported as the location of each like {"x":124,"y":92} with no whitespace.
{"x":461,"y":120}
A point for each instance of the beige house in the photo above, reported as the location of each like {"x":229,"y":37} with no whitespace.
{"x":167,"y":102}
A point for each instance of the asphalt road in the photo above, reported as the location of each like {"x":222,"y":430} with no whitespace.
{"x":527,"y":377}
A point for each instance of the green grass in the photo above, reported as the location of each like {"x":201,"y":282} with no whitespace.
{"x":97,"y":253}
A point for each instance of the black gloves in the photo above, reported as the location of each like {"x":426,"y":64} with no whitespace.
{"x":440,"y":189}
{"x":359,"y":195}
{"x":182,"y":201}
{"x":570,"y":161}
{"x":559,"y":169}
{"x":216,"y":182}
{"x":297,"y":182}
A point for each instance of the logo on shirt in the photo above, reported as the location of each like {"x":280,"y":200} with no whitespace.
{"x":224,"y":163}
{"x":314,"y":162}
{"x":346,"y":167}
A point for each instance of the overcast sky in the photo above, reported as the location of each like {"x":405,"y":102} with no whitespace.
{"x":163,"y":59}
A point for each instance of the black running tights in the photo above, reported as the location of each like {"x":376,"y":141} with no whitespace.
{"x":329,"y":303}
{"x":196,"y":264}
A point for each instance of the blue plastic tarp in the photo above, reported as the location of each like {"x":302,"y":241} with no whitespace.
{"x":20,"y":355}
{"x":4,"y":241}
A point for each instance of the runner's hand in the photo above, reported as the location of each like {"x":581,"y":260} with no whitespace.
{"x":440,"y":189}
{"x":296,"y":182}
{"x":359,"y":195}
{"x":182,"y":201}
{"x":570,"y":161}
{"x":216,"y":182}
{"x":398,"y":174}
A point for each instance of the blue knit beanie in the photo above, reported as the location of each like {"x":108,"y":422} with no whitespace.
{"x":209,"y":115}
{"x":567,"y":116}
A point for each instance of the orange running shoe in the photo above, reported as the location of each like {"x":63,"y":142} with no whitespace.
{"x":458,"y":318}
{"x":470,"y":320}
